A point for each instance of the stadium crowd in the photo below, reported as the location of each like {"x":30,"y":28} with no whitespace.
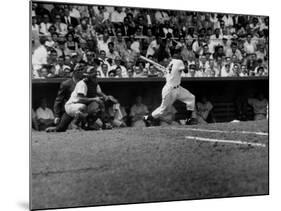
{"x":66,"y":37}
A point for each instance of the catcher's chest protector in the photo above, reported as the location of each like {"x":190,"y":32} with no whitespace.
{"x":92,"y":89}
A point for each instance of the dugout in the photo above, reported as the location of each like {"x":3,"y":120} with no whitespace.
{"x":222,"y":92}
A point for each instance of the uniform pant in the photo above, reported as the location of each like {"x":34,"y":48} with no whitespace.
{"x":170,"y":95}
{"x":74,"y":109}
{"x":64,"y":123}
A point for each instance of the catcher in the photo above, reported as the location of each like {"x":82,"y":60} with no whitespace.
{"x":86,"y":103}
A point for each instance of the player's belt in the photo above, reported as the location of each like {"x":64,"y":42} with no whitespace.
{"x":175,"y":87}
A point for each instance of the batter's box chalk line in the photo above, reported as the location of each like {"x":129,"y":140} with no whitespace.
{"x":220,"y":131}
{"x":225,"y":141}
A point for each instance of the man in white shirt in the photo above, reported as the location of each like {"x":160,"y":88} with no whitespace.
{"x":215,"y":40}
{"x":103,"y":42}
{"x":45,"y":25}
{"x":153,"y":47}
{"x":40,"y":55}
{"x":118,"y":15}
{"x":45,"y":116}
{"x":61,"y":27}
{"x":103,"y":70}
{"x":234,"y":51}
{"x":138,"y":110}
{"x":124,"y":73}
{"x":249,"y":45}
{"x":226,"y":71}
{"x":112,"y":53}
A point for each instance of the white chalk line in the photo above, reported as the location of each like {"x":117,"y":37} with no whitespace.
{"x":221,"y":131}
{"x":225,"y":141}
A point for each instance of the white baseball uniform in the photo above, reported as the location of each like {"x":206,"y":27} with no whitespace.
{"x":172,"y":90}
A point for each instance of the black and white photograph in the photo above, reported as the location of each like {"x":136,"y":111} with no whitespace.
{"x":137,"y":105}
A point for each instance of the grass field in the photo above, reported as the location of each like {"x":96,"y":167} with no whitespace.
{"x":151,"y":164}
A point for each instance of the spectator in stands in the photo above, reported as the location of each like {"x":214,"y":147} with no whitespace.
{"x":138,"y":111}
{"x":138,"y":71}
{"x":84,"y":31}
{"x":40,"y":56}
{"x":226,"y":71}
{"x":120,"y":44}
{"x":35,"y":31}
{"x":226,"y":43}
{"x":212,"y":35}
{"x":112,"y":73}
{"x":204,"y":65}
{"x":102,"y":58}
{"x":154,"y":46}
{"x":57,"y":10}
{"x":103,"y":43}
{"x":117,"y":17}
{"x":260,"y":106}
{"x":212,"y":70}
{"x":244,"y":71}
{"x":129,"y":55}
{"x":68,"y":63}
{"x":112,"y":53}
{"x":59,"y":69}
{"x":260,"y":71}
{"x":60,"y":26}
{"x":67,"y":19}
{"x":192,"y":71}
{"x":235,"y":70}
{"x":45,"y":25}
{"x":60,"y":47}
{"x":44,"y":115}
{"x":260,"y":52}
{"x":197,"y":46}
{"x":129,"y":27}
{"x":103,"y":70}
{"x":135,"y":44}
{"x":204,"y":109}
{"x":249,"y":45}
{"x":252,"y":62}
{"x":215,"y":39}
{"x":117,"y":64}
{"x":71,"y":45}
{"x":101,"y":14}
{"x":259,"y":65}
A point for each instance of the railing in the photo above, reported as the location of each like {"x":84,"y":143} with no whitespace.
{"x":155,"y":79}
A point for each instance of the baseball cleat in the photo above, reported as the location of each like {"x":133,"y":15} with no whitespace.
{"x":191,"y":121}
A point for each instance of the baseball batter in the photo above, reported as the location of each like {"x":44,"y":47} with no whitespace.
{"x":172,"y":91}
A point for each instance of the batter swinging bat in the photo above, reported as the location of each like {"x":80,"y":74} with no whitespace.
{"x":159,"y":66}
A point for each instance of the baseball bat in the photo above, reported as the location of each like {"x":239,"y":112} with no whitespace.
{"x":153,"y":63}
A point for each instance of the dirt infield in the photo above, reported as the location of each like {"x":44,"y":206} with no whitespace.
{"x":143,"y":165}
